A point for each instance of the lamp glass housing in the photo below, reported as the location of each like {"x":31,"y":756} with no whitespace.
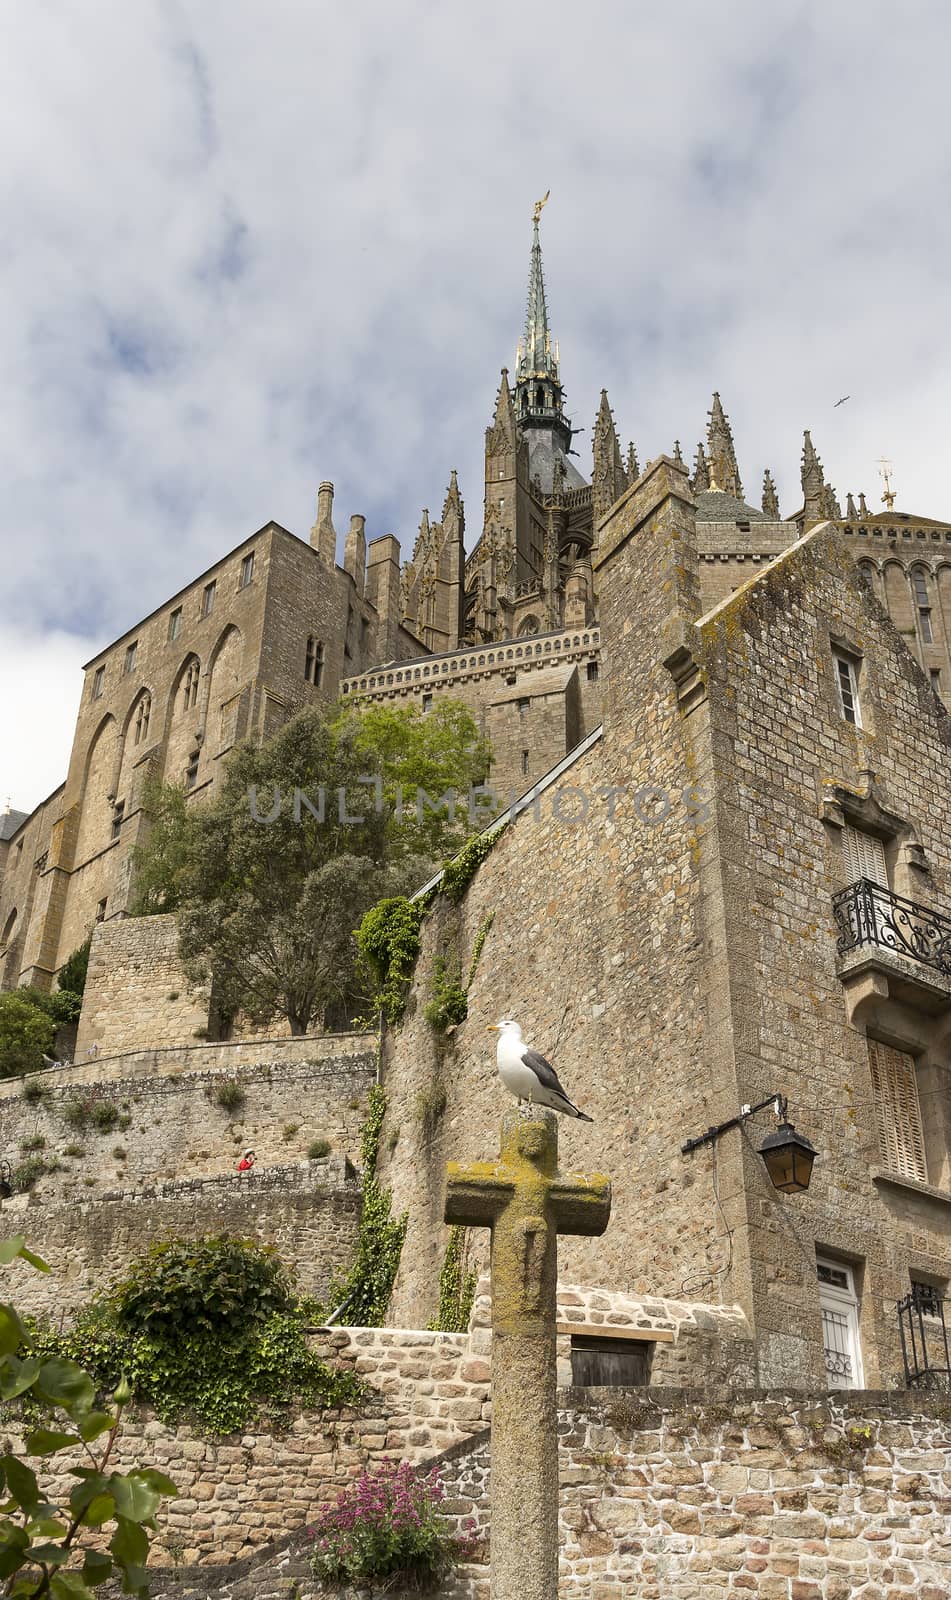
{"x":789,"y":1159}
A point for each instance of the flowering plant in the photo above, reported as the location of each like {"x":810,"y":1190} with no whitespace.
{"x":385,"y":1531}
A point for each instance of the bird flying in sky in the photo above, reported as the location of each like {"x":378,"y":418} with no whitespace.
{"x":526,"y":1073}
{"x":842,"y":401}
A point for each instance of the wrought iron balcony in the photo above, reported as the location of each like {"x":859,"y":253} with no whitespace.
{"x":867,"y":914}
{"x":924,"y":1339}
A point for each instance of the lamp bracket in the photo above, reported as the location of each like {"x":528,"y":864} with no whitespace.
{"x":777,"y":1101}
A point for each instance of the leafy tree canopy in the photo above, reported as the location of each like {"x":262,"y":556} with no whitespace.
{"x":271,"y":877}
{"x":71,"y":977}
{"x":26,"y":1034}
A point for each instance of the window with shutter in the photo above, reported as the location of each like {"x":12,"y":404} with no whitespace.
{"x":897,"y":1111}
{"x":864,"y":857}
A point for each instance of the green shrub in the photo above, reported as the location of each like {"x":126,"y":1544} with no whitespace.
{"x":36,"y":1141}
{"x":458,"y":873}
{"x":388,"y":941}
{"x":119,"y":1152}
{"x":289,"y":1130}
{"x":449,"y":1003}
{"x":369,"y":1284}
{"x":105,"y":1116}
{"x":71,"y":976}
{"x":212,"y":1329}
{"x":74,"y":1150}
{"x":29,"y":1172}
{"x":26,"y":1034}
{"x":87,"y":1112}
{"x":317,"y":1149}
{"x":229,"y":1095}
{"x":35,"y":1091}
{"x":456,"y":1287}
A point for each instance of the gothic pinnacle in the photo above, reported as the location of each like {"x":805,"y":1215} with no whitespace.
{"x":770,"y":499}
{"x":724,"y":469}
{"x":850,"y":510}
{"x":633,"y":470}
{"x":701,"y":471}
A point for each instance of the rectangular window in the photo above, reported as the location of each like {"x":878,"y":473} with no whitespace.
{"x":131,"y":651}
{"x":427,"y":703}
{"x":846,"y":674}
{"x":175,"y":623}
{"x":523,"y":706}
{"x":247,"y":570}
{"x":921,"y":588}
{"x":191,"y":771}
{"x":864,"y":857}
{"x":936,"y":680}
{"x":592,"y":672}
{"x":101,"y":911}
{"x":208,"y":598}
{"x":839,"y":1305}
{"x":924,"y":623}
{"x":117,"y":815}
{"x":928,"y":1296}
{"x":97,"y":682}
{"x":524,"y":763}
{"x":897,"y":1111}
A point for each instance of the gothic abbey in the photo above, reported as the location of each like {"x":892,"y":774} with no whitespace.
{"x":512,"y":629}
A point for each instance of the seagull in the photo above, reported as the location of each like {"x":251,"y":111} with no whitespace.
{"x":526,"y":1073}
{"x":842,"y":401}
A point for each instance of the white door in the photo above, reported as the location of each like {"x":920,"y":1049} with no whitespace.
{"x":840,"y":1324}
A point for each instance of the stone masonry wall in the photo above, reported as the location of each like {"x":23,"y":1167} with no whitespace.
{"x":136,"y":992}
{"x":167,"y":1124}
{"x":310,"y":1211}
{"x":664,"y":1495}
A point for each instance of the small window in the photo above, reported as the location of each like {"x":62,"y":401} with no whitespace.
{"x":921,"y":588}
{"x":131,"y":651}
{"x":524,"y":763}
{"x":175,"y":623}
{"x":190,"y":685}
{"x":99,"y":677}
{"x":936,"y":680}
{"x":923,"y":602}
{"x":191,"y":771}
{"x":839,"y":1305}
{"x":314,"y":661}
{"x":117,"y":815}
{"x":523,"y":706}
{"x":101,"y":911}
{"x":616,"y":1362}
{"x":592,"y":672}
{"x":427,"y":703}
{"x":208,"y":599}
{"x":846,"y":672}
{"x":247,"y":570}
{"x":897,"y":1111}
{"x":928,"y":1297}
{"x":864,"y":857}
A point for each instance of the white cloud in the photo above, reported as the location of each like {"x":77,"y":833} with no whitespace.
{"x":252,"y":248}
{"x":40,"y":684}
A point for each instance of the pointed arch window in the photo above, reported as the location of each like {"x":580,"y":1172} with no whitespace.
{"x":190,"y":685}
{"x":142,"y":718}
{"x":919,"y":583}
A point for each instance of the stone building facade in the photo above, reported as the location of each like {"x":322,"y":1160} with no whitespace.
{"x":511,"y":628}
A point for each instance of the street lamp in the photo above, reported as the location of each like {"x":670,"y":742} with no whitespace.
{"x":788,"y":1155}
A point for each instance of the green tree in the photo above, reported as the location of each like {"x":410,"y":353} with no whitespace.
{"x":44,"y":1547}
{"x":26,"y":1034}
{"x":71,"y":977}
{"x":160,"y":864}
{"x":424,"y":755}
{"x":271,"y":877}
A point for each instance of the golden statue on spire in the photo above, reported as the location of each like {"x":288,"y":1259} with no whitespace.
{"x":885,"y":469}
{"x":540,"y":206}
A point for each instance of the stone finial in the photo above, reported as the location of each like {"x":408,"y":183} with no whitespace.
{"x":850,"y":510}
{"x":323,"y":536}
{"x":701,"y":471}
{"x":633,"y":470}
{"x":863,"y":508}
{"x":721,"y":450}
{"x":608,"y":478}
{"x":770,"y":501}
{"x":677,"y":455}
{"x":501,"y":435}
{"x":813,"y":482}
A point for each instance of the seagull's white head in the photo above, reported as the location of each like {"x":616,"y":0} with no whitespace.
{"x":506,"y":1025}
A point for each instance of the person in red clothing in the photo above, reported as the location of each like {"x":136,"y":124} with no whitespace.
{"x":246,"y":1164}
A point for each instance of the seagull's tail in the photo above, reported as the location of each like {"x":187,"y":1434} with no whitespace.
{"x":572,"y":1110}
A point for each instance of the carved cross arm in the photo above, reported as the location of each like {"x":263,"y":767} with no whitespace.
{"x":581,"y":1204}
{"x":476,"y":1194}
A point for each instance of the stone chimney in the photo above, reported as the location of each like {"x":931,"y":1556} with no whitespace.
{"x":322,"y":534}
{"x":355,"y":552}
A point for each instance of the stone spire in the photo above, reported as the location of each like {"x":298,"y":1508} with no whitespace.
{"x":850,"y":510}
{"x":633,"y":470}
{"x":538,"y":390}
{"x":770,"y":498}
{"x":608,"y":478}
{"x":701,"y":471}
{"x":830,"y":505}
{"x":724,"y":470}
{"x":501,"y":435}
{"x":863,"y":508}
{"x":813,"y":483}
{"x":677,"y":453}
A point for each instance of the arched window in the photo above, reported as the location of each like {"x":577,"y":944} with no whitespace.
{"x":919,"y":584}
{"x":190,"y":685}
{"x":314,"y":661}
{"x":142,"y":718}
{"x":530,"y":625}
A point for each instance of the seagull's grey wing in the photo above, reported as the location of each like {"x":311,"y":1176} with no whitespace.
{"x":543,"y":1070}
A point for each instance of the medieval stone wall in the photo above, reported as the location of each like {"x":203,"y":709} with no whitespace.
{"x":662,"y":1492}
{"x":136,"y":992}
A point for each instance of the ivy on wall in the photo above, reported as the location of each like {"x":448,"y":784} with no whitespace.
{"x":456,"y":1287}
{"x":366,"y":1290}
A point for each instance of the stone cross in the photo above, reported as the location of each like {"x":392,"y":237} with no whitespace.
{"x":526,"y":1202}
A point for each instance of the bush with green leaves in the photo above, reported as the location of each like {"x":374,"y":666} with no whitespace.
{"x":385,"y":1531}
{"x":28,"y":1173}
{"x":367,"y":1288}
{"x":212,"y":1329}
{"x":71,"y":977}
{"x":317,"y":1149}
{"x":229,"y":1095}
{"x":388,"y":941}
{"x":45,"y":1548}
{"x":26,"y":1034}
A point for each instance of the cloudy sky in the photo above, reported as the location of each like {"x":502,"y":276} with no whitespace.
{"x":249,"y":247}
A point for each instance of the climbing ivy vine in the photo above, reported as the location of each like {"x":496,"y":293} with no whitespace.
{"x":456,"y":1287}
{"x":366,"y":1290}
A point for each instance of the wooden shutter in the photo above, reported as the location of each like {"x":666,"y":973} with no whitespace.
{"x":864,"y":857}
{"x":895,"y":1087}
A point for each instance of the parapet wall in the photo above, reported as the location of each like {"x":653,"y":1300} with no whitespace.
{"x":136,"y":991}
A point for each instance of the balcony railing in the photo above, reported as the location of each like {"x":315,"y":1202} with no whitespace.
{"x":867,"y":914}
{"x":924,"y":1339}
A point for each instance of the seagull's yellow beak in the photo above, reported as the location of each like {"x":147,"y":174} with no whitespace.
{"x":492,"y":1028}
